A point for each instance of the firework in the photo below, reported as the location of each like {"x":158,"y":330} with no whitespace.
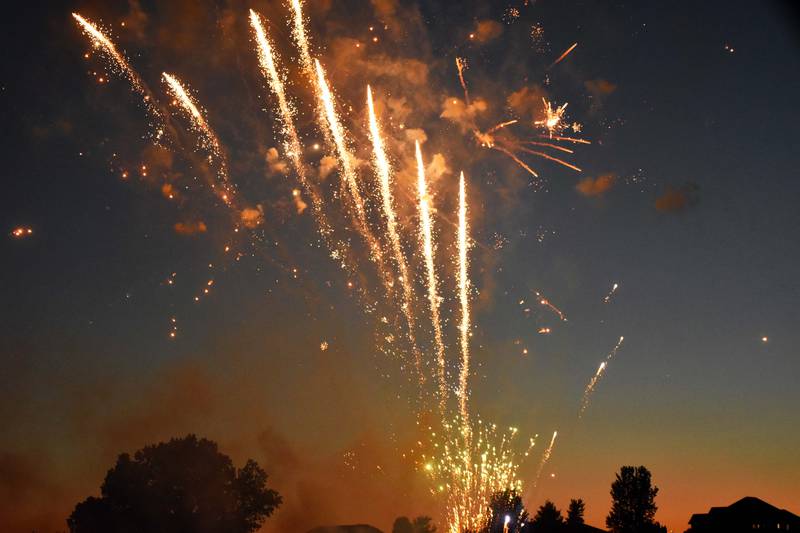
{"x":300,"y":38}
{"x":567,"y":52}
{"x":426,"y":236}
{"x":553,"y":118}
{"x":267,"y":59}
{"x":611,"y":293}
{"x":384,"y":171}
{"x":121,"y":66}
{"x":587,"y":393}
{"x":348,"y":172}
{"x":545,"y":457}
{"x":468,"y":467}
{"x":512,"y":147}
{"x":463,"y":289}
{"x":206,"y":136}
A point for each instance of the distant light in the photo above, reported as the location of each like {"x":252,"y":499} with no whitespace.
{"x":765,"y":339}
{"x":508,"y":519}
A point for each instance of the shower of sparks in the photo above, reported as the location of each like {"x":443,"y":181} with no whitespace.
{"x":546,"y":303}
{"x":267,"y":59}
{"x":426,"y":236}
{"x":611,"y":293}
{"x":567,"y":52}
{"x":553,"y":118}
{"x":468,"y":467}
{"x":384,"y":171}
{"x":121,"y":66}
{"x":461,"y":65}
{"x":545,"y":457}
{"x":208,"y":139}
{"x":463,"y":289}
{"x":587,"y":394}
{"x":348,"y":171}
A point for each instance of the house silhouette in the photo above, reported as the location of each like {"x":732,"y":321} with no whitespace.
{"x":748,"y":514}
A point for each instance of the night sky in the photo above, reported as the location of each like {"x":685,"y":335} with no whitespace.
{"x":688,"y":199}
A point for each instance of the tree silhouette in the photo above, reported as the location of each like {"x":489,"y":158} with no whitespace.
{"x":402,"y":525}
{"x":421,"y":524}
{"x":575,"y":512}
{"x":633,"y":502}
{"x":506,"y":505}
{"x":547,"y":519}
{"x":185,"y":485}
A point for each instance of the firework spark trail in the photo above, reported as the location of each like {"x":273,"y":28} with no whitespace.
{"x":567,"y":139}
{"x":348,"y":173}
{"x":300,"y":37}
{"x":545,"y":458}
{"x":517,"y":160}
{"x":545,"y":302}
{"x":587,"y":394}
{"x":549,"y":158}
{"x":463,"y":288}
{"x":611,"y":293}
{"x":208,"y":139}
{"x":549,"y":145}
{"x":123,"y":67}
{"x":384,"y":172}
{"x":501,"y":125}
{"x":461,"y":65}
{"x":268,"y":61}
{"x":426,"y":235}
{"x":561,"y":58}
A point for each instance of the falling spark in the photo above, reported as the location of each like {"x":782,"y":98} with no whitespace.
{"x":384,"y":171}
{"x":461,"y":65}
{"x":463,"y":289}
{"x":208,"y":139}
{"x":567,"y":52}
{"x":546,"y":303}
{"x":426,"y":234}
{"x":587,"y":393}
{"x":121,"y":65}
{"x":545,"y":457}
{"x":610,"y":293}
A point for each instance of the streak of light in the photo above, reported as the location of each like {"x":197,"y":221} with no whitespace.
{"x":610,"y":293}
{"x":587,"y":393}
{"x":426,"y":235}
{"x":121,"y":66}
{"x":208,"y":139}
{"x":384,"y":172}
{"x":561,"y":58}
{"x":463,"y":289}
